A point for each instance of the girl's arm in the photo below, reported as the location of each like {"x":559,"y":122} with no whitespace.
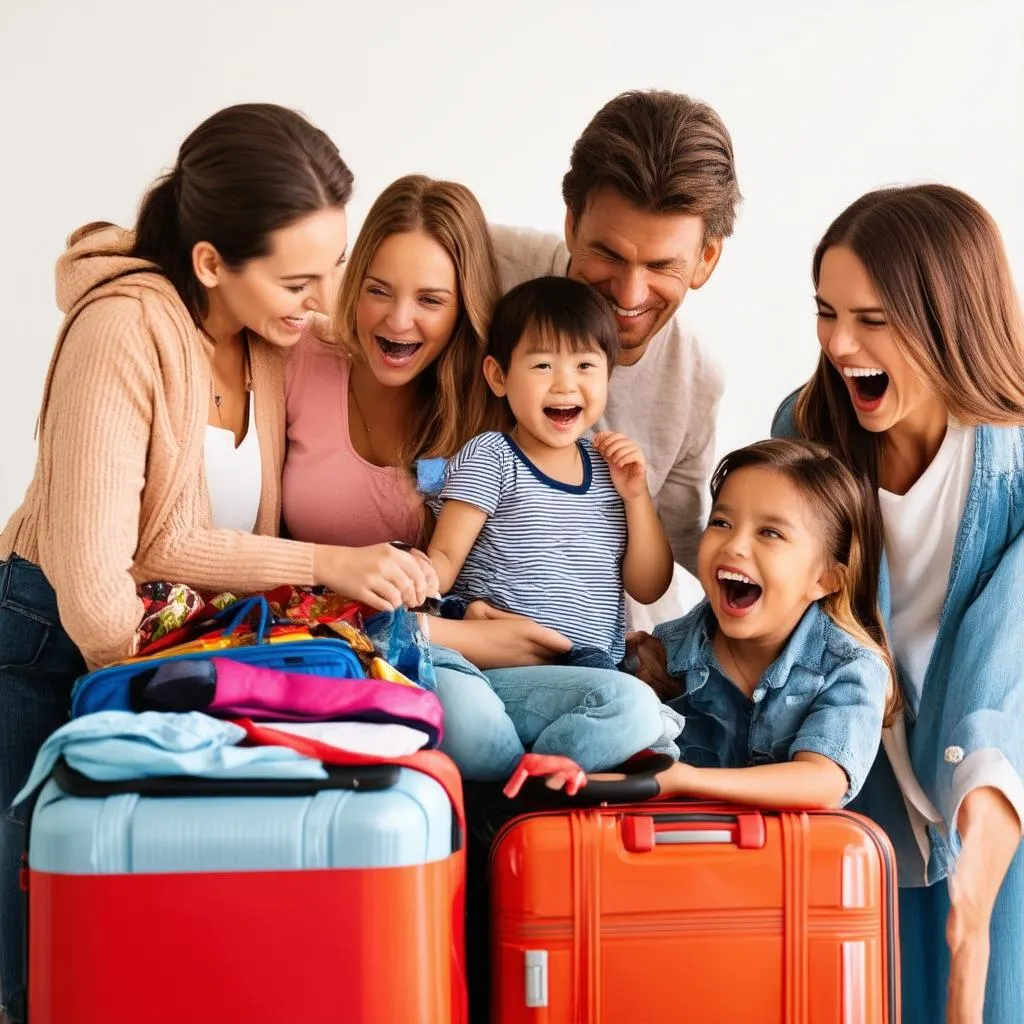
{"x":647,"y":565}
{"x":457,"y":529}
{"x":808,"y":782}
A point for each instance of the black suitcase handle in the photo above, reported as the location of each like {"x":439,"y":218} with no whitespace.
{"x":371,"y":778}
{"x":640,"y":784}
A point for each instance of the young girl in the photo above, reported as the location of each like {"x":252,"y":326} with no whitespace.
{"x":539,"y":520}
{"x":781,"y":672}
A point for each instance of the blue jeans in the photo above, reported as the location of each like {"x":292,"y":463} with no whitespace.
{"x":38,"y":665}
{"x":925,"y":955}
{"x":597,"y":717}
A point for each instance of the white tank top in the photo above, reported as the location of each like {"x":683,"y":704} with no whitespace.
{"x":234,"y":475}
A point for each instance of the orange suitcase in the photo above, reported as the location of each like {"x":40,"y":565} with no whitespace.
{"x":713,"y":914}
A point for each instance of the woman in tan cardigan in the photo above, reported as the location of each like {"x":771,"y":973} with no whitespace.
{"x":174,"y":336}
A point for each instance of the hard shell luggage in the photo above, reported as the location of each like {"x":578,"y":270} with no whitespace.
{"x":708,"y":913}
{"x":214,"y":901}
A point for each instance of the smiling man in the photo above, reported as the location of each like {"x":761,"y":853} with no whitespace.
{"x":650,"y":195}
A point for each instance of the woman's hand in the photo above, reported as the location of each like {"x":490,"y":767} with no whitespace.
{"x":990,"y":831}
{"x":647,"y":660}
{"x":381,"y":576}
{"x":491,"y":638}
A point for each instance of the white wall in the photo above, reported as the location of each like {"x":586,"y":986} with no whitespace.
{"x":824,"y":101}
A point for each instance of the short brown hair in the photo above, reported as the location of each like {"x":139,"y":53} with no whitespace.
{"x":664,"y":152}
{"x":455,"y":403}
{"x":936,"y":259}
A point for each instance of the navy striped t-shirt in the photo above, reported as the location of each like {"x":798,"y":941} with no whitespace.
{"x":548,"y":550}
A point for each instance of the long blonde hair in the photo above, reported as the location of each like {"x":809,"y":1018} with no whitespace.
{"x":455,"y":403}
{"x":937,"y":261}
{"x":845,"y":509}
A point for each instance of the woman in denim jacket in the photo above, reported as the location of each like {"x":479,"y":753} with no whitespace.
{"x":920,"y":387}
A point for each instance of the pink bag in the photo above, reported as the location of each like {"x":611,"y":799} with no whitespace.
{"x":226,"y":688}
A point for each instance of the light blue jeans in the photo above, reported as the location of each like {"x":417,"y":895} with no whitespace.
{"x":597,"y":717}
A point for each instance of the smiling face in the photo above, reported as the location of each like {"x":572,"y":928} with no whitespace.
{"x":642,"y":263}
{"x":856,"y":338}
{"x":273,"y":294}
{"x":407,"y":308}
{"x":761,"y":560}
{"x":556,"y":394}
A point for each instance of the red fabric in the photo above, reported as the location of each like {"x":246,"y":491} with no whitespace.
{"x":431,"y":762}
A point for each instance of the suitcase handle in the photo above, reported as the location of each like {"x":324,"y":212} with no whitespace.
{"x":641,"y":833}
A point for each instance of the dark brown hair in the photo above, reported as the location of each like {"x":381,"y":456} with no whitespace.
{"x":664,"y":152}
{"x":244,"y":173}
{"x":937,"y":261}
{"x":561,"y":311}
{"x":845,"y":508}
{"x":455,"y":402}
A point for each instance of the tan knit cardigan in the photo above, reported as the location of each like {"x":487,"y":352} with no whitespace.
{"x":119,"y":493}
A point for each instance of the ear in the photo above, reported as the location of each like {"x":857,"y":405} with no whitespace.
{"x":570,"y":230}
{"x":708,"y":260}
{"x":494,"y":376}
{"x":207,"y":264}
{"x":829,"y":582}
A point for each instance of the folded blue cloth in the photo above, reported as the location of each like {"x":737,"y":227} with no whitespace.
{"x":115,"y":745}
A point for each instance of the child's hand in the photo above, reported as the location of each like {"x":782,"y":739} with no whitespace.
{"x":647,"y":659}
{"x":626,"y":462}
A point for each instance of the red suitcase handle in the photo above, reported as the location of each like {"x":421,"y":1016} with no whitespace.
{"x":641,"y":833}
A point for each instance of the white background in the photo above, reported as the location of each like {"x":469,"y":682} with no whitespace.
{"x":824,"y":101}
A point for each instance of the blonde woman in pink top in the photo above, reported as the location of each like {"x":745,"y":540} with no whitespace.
{"x":403,"y":382}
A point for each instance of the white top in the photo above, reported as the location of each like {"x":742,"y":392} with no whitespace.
{"x":549,"y":550}
{"x":920,"y":532}
{"x":667,"y":403}
{"x":234,"y":476}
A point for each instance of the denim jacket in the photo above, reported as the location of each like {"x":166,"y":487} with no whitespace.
{"x":824,"y":693}
{"x":966,"y":730}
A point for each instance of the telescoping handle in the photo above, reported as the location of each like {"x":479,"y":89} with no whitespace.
{"x":641,"y":833}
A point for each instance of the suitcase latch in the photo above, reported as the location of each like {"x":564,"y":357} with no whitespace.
{"x":536,"y":977}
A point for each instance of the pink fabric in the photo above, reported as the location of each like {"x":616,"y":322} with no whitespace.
{"x":248,"y":691}
{"x":330,"y":495}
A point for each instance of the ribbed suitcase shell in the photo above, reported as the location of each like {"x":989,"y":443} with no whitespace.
{"x":340,"y":906}
{"x":714,"y":914}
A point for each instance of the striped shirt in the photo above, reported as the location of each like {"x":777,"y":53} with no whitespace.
{"x":548,"y":550}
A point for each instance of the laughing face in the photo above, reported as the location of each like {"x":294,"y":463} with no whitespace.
{"x":556,"y":395}
{"x":408,"y":306}
{"x":857,"y":339}
{"x":642,"y":263}
{"x":761,"y":560}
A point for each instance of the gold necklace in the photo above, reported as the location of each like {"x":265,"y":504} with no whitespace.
{"x":359,"y":408}
{"x":736,"y":665}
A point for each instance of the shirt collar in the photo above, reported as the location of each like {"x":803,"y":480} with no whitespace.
{"x":696,"y":654}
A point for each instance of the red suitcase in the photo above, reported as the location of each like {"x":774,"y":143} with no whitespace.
{"x":713,"y":914}
{"x":216,"y":901}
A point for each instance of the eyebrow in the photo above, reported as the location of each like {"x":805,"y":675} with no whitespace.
{"x":311,"y":277}
{"x":856,"y":309}
{"x":428,"y":291}
{"x":764,"y":517}
{"x":664,"y":264}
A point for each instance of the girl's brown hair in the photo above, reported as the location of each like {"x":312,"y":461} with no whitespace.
{"x":845,"y":508}
{"x":456,"y":403}
{"x":937,"y":261}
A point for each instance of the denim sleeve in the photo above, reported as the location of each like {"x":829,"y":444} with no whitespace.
{"x":477,"y":474}
{"x":984,"y":706}
{"x":844,"y":722}
{"x":784,"y":421}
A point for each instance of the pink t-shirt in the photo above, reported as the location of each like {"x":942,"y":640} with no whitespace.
{"x":330,"y":494}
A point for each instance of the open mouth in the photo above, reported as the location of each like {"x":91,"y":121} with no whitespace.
{"x":563,"y":415}
{"x":295,"y":323}
{"x":739,"y":591}
{"x":869,"y":384}
{"x":397,"y":353}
